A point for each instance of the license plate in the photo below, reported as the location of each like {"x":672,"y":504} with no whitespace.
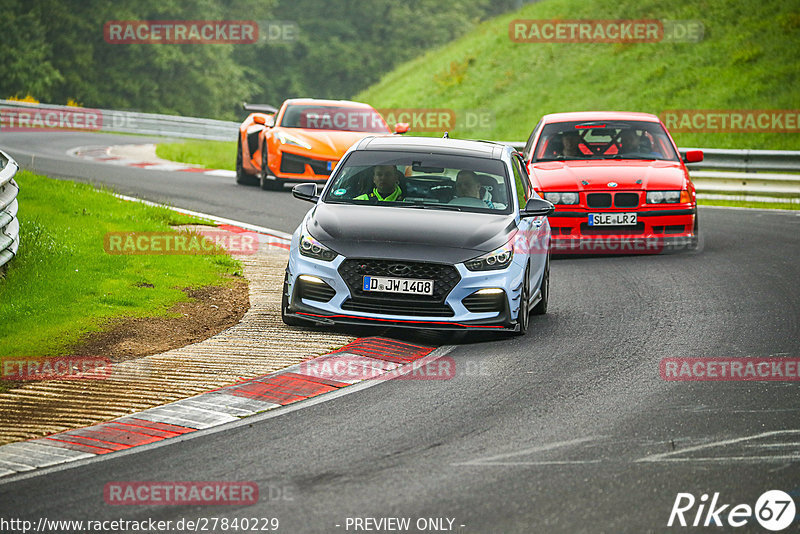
{"x":385,"y":284}
{"x":330,"y":165}
{"x":612,"y":219}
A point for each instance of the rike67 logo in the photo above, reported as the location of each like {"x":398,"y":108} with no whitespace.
{"x":774,"y":511}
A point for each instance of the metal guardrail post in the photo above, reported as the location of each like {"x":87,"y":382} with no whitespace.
{"x":9,"y":225}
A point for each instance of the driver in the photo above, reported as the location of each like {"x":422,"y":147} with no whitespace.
{"x":387,"y":185}
{"x":629,"y":142}
{"x":570,"y":141}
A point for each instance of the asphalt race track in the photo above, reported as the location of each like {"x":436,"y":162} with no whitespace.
{"x":569,"y":429}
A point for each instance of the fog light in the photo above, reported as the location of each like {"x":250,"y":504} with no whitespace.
{"x":312,"y":279}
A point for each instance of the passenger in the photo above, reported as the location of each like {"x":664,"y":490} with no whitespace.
{"x":469,"y":186}
{"x":387,"y":185}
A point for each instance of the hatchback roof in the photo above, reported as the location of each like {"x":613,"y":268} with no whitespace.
{"x":434,"y":145}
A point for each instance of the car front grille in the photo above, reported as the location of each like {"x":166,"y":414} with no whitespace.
{"x":445,"y":277}
{"x":621,"y":200}
{"x":294,"y":164}
{"x":626,"y":200}
{"x":598,"y":200}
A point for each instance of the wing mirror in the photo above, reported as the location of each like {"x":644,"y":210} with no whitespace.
{"x":306,"y":191}
{"x":537,"y":207}
{"x":265,"y":120}
{"x":693,"y":156}
{"x":401,"y":127}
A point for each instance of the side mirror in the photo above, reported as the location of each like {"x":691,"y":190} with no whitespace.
{"x":693,"y":156}
{"x":537,"y":207}
{"x":307,"y":191}
{"x":265,"y":120}
{"x":401,"y":127}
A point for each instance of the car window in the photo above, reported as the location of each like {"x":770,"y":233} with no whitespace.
{"x":521,"y":181}
{"x":529,"y":145}
{"x":604,"y":140}
{"x":410,"y":179}
{"x":349,"y":119}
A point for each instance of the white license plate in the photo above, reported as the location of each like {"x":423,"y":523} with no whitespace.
{"x":612,"y":219}
{"x":398,"y":285}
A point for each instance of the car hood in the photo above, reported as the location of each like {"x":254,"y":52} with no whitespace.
{"x":571,"y":175}
{"x":331,"y":143}
{"x":408,"y":233}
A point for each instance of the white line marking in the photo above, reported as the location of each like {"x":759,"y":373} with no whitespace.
{"x":664,"y":456}
{"x":489,"y":460}
{"x":213,"y":218}
{"x":221,"y":172}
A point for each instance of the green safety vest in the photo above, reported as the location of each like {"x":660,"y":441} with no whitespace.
{"x":397,"y":194}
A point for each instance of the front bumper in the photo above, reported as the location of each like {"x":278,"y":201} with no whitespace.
{"x":333,"y":312}
{"x":657,"y":230}
{"x":293,"y":167}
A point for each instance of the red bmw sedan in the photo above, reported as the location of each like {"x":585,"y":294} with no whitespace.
{"x":617,"y":180}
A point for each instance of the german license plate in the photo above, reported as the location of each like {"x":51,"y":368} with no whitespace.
{"x":612,"y":219}
{"x":385,"y":284}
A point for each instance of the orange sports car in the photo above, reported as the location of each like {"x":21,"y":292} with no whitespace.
{"x":303,"y":140}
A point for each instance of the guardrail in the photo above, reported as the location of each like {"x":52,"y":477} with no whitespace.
{"x":722,"y":170}
{"x":741,"y":171}
{"x":9,"y":225}
{"x":25,"y":116}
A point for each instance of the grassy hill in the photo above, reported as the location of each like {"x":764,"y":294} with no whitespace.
{"x":748,"y":59}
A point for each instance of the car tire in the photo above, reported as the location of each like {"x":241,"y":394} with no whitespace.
{"x":289,"y":320}
{"x":268,"y":181}
{"x":541,"y":306}
{"x":242,"y":177}
{"x":524,"y":316}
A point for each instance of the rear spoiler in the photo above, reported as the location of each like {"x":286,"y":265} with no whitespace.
{"x":260,"y":108}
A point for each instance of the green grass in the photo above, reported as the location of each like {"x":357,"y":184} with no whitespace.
{"x":208,"y":154}
{"x":63,"y":285}
{"x":747,"y":60}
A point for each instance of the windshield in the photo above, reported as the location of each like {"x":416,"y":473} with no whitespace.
{"x":348,"y":119}
{"x":419,"y":180}
{"x":604,"y":140}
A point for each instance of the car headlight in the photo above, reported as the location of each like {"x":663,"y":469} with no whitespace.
{"x":667,"y":197}
{"x":314,"y":249}
{"x":561,"y":198}
{"x":287,"y":139}
{"x":496,"y":259}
